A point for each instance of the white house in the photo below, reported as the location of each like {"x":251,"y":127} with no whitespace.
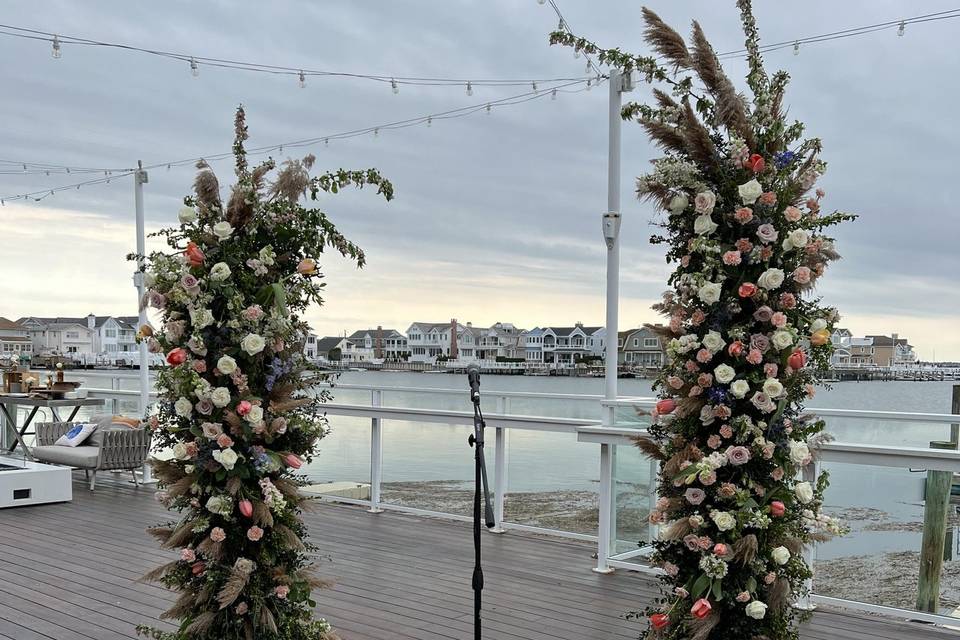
{"x":14,"y":340}
{"x":380,"y":343}
{"x":332,"y":349}
{"x":532,"y":340}
{"x":70,"y":337}
{"x":567,"y":345}
{"x":502,"y":340}
{"x":428,"y":341}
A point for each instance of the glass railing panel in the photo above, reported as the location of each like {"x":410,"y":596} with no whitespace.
{"x":553,"y":481}
{"x":341,"y":464}
{"x":631,"y":485}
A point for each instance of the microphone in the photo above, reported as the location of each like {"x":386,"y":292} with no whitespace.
{"x":473,"y":375}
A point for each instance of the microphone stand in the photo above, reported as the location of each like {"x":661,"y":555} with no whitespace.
{"x":480,"y":476}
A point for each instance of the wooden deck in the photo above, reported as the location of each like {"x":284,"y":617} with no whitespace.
{"x":69,"y":571}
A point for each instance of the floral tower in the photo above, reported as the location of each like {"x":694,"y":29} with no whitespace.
{"x":746,"y":338}
{"x":237,"y":403}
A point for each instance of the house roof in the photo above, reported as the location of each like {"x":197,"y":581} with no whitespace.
{"x":362,"y":333}
{"x":887,"y":341}
{"x":565,"y":331}
{"x":14,"y":339}
{"x":10,"y":325}
{"x":328,"y":343}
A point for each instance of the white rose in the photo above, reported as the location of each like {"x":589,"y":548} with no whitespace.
{"x":189,"y":469}
{"x":740,"y":388}
{"x":799,"y":453}
{"x":678,"y":203}
{"x":223,"y":230}
{"x":183,"y":407}
{"x":180,"y":451}
{"x":798,"y":239}
{"x":756,"y":609}
{"x":750,"y":191}
{"x":713,"y":341}
{"x":187,"y":215}
{"x":227,"y":458}
{"x":818,"y":325}
{"x":710,"y":292}
{"x":255,"y":415}
{"x":723,"y":519}
{"x":704,"y":225}
{"x":780,"y":555}
{"x":804,"y":492}
{"x":770,"y":279}
{"x":724,"y":374}
{"x":201,"y":318}
{"x":220,"y":272}
{"x":704,"y":202}
{"x":782,"y":339}
{"x":226,"y":365}
{"x":772,"y":387}
{"x":220,"y":397}
{"x":220,"y":504}
{"x":252,"y":344}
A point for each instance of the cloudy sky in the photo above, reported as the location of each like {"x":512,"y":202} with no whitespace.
{"x":496,"y":216}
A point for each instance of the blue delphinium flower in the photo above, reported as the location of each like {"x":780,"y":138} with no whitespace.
{"x":717,"y":395}
{"x":783,"y":159}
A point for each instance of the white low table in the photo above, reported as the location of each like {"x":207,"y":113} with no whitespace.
{"x":33,"y":483}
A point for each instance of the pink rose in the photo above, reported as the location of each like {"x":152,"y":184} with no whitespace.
{"x":743,"y":596}
{"x":692,"y":542}
{"x":721,"y":411}
{"x":763,"y":402}
{"x":695,"y":390}
{"x":755,"y":356}
{"x":224,"y":441}
{"x":279,"y":425}
{"x":770,"y":370}
{"x":763,"y":314}
{"x":777,"y":475}
{"x":743,"y":245}
{"x":680,"y":592}
{"x":242,"y":608}
{"x":204,"y":406}
{"x":676,"y":324}
{"x":709,"y":478}
{"x":714,"y":441}
{"x":154,"y":346}
{"x":254,"y":533}
{"x":218,"y":534}
{"x":187,"y":555}
{"x":697,"y":317}
{"x":695,"y":496}
{"x":705,"y":380}
{"x":743,"y":215}
{"x":243,"y":408}
{"x":192,"y":449}
{"x":768,"y":198}
{"x":720,"y":549}
{"x":767,"y":233}
{"x":792,"y":214}
{"x":770,"y":577}
{"x":670,"y":569}
{"x":726,"y":431}
{"x":252,"y":313}
{"x":704,"y":542}
{"x":157,"y":299}
{"x":731,"y":258}
{"x":282,"y":591}
{"x":674,"y":382}
{"x":802,"y":275}
{"x":692,"y":366}
{"x":738,"y":455}
{"x":779,"y":319}
{"x":788,"y":300}
{"x":704,"y":356}
{"x":199,"y":366}
{"x":685,"y":261}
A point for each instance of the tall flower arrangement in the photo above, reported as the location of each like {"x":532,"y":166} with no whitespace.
{"x":746,"y":338}
{"x":236,"y":406}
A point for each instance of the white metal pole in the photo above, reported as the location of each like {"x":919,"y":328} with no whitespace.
{"x":500,"y":467}
{"x":140,"y":178}
{"x":611,"y":236}
{"x":376,"y":454}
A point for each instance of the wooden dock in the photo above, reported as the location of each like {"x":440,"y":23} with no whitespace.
{"x":69,"y":571}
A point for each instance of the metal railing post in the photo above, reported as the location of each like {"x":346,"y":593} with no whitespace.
{"x":604,"y":526}
{"x":810,"y":474}
{"x":376,"y":453}
{"x":653,"y":530}
{"x":500,"y":470}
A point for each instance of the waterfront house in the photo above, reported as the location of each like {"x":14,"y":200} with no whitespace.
{"x":334,"y":349}
{"x":380,"y":343}
{"x":430,"y":341}
{"x":501,"y":340}
{"x":14,"y":340}
{"x":71,"y":337}
{"x":567,"y":345}
{"x":641,"y":348}
{"x":532,"y":341}
{"x":892,"y":351}
{"x":840,"y":338}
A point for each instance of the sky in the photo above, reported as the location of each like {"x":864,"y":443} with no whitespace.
{"x":496,"y":216}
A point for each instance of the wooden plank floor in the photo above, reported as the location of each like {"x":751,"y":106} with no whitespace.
{"x":69,"y":571}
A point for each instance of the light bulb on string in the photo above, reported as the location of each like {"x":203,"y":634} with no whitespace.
{"x":303,"y":80}
{"x":194,"y":68}
{"x":534,"y":85}
{"x":393,"y":85}
{"x":469,"y":88}
{"x":553,"y":94}
{"x":576,"y":53}
{"x":376,"y":132}
{"x":901,"y":29}
{"x":541,"y":2}
{"x":24,"y":168}
{"x":589,"y":65}
{"x":560,"y":25}
{"x":429,"y":121}
{"x":589,"y":84}
{"x":796,"y":48}
{"x":326,"y":142}
{"x":488,"y":109}
{"x":56,"y":47}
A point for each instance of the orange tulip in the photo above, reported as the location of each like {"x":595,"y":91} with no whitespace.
{"x":194,"y":255}
{"x":307,"y":267}
{"x":819,"y":338}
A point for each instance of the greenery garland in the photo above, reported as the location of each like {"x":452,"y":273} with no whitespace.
{"x":238,"y":404}
{"x":746,"y":340}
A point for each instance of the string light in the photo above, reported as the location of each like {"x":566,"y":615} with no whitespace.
{"x":541,"y":2}
{"x":56,"y":47}
{"x":796,"y":48}
{"x":589,"y":66}
{"x":303,"y":80}
{"x":469,"y":88}
{"x":488,"y":109}
{"x":109,"y":174}
{"x":901,"y":29}
{"x":194,"y":68}
{"x":533,"y":85}
{"x":393,"y":85}
{"x":589,"y":83}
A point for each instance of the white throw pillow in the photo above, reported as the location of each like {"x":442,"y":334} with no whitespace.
{"x":76,"y":435}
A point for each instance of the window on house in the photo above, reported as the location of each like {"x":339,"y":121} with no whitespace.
{"x":110,"y":333}
{"x":651,"y":343}
{"x":73,"y":334}
{"x":636,"y":342}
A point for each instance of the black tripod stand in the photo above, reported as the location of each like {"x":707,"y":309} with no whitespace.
{"x":476,"y":441}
